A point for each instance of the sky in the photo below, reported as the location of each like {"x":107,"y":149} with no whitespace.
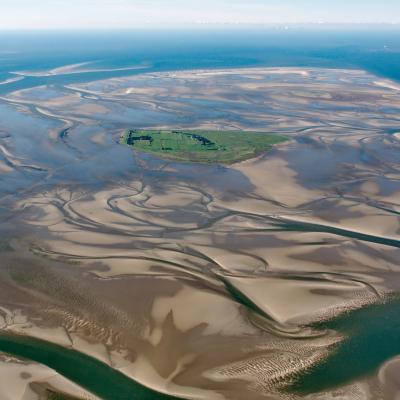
{"x":111,"y":14}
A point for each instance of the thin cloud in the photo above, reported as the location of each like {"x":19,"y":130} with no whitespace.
{"x":15,"y":14}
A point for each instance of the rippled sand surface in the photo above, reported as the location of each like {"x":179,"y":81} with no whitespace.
{"x":201,"y":281}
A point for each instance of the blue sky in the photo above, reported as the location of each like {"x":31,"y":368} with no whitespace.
{"x":15,"y":14}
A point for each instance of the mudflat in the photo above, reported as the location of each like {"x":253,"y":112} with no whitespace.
{"x":214,"y":280}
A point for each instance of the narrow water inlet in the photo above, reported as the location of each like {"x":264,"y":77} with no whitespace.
{"x":87,"y":372}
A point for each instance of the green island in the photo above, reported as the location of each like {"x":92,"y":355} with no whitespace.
{"x":202,"y":146}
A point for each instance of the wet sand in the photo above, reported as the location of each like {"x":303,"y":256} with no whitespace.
{"x":201,"y":281}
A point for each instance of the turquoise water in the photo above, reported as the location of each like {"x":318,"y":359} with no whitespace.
{"x":372,"y":337}
{"x":89,"y":373}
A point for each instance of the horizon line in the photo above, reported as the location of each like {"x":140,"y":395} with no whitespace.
{"x":280,"y":25}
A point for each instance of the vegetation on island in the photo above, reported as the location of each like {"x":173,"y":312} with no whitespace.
{"x":204,"y":146}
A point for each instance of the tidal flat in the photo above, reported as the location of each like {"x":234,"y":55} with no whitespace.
{"x":201,"y":281}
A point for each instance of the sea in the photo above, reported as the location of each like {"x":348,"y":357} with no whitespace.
{"x":29,"y":58}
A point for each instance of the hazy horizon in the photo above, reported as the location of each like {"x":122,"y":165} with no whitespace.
{"x":129,"y":14}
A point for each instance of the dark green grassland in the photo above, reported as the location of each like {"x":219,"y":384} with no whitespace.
{"x":224,"y":147}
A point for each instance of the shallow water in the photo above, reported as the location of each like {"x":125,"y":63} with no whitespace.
{"x":372,"y":337}
{"x":91,"y":374}
{"x":375,"y":51}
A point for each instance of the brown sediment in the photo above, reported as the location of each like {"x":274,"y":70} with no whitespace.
{"x":186,"y":277}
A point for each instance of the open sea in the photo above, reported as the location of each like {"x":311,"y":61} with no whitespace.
{"x":121,"y":53}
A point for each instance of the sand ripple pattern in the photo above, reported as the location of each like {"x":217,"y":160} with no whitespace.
{"x":145,"y":263}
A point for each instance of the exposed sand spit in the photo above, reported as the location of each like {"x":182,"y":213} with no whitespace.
{"x":27,"y":381}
